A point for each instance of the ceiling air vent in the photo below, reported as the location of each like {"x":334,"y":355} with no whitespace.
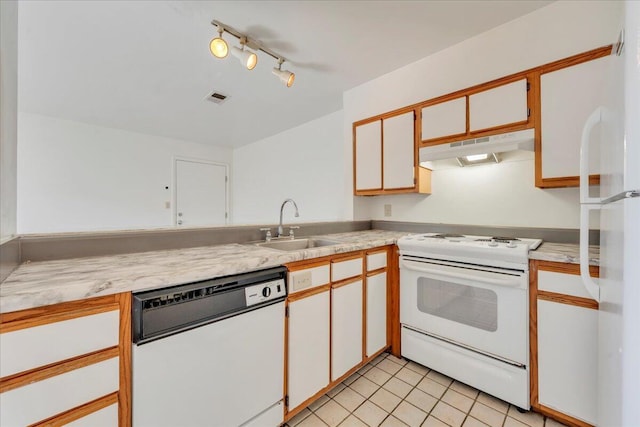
{"x":216,"y":97}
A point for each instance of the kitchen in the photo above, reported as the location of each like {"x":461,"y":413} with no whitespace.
{"x":502,"y":195}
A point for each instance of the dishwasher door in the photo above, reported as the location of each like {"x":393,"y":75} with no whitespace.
{"x":225,"y":373}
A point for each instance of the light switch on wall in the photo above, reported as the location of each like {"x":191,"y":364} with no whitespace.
{"x":387,"y":210}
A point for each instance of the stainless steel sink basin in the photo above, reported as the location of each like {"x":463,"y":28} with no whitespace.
{"x":297,"y":244}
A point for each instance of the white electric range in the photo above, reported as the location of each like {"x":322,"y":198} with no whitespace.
{"x":464,"y":309}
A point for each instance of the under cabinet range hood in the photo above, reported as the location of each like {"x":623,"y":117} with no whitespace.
{"x":511,"y":141}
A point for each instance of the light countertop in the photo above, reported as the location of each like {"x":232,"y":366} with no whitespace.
{"x":35,"y":284}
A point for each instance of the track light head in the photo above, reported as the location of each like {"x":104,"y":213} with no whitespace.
{"x":218,"y":47}
{"x":246,"y":57}
{"x":286,"y":77}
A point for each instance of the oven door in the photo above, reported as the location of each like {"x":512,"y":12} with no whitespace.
{"x":481,"y":308}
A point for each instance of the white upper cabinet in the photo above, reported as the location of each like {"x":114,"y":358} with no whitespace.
{"x":499,"y":106}
{"x":368,"y":156}
{"x":568,"y":96}
{"x":398,"y":151}
{"x":444,"y":119}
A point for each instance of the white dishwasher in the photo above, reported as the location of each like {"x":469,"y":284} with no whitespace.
{"x":210,"y":353}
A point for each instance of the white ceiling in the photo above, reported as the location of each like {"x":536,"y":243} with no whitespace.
{"x":145,"y":66}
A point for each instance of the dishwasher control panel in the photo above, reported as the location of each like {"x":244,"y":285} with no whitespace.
{"x":265,"y":292}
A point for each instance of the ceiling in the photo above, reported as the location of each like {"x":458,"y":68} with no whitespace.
{"x":145,"y":66}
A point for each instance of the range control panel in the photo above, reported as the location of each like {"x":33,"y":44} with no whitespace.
{"x":265,"y":291}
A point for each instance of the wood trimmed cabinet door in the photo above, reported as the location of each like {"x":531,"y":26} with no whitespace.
{"x":569,"y":93}
{"x":377,"y":338}
{"x":368,"y":156}
{"x":563,"y":344}
{"x":499,"y":106}
{"x":385,"y":159}
{"x":67,"y":363}
{"x":346,"y":327}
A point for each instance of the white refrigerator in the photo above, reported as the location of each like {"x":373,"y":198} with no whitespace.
{"x":618,"y":289}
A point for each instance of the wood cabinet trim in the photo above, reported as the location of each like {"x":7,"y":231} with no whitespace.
{"x":376,"y":272}
{"x":79,"y":411}
{"x":347,"y":256}
{"x":559,"y":416}
{"x":308,"y":292}
{"x":533,"y":332}
{"x":32,"y":317}
{"x":124,"y":392}
{"x":393,"y":301}
{"x":308,"y":263}
{"x":568,"y":299}
{"x":346,"y":282}
{"x":579,"y":58}
{"x":57,"y":368}
{"x":566,"y":268}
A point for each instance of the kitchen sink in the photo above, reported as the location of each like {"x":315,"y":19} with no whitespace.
{"x":297,"y":244}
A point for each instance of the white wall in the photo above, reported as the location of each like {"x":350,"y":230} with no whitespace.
{"x":75,"y":177}
{"x":559,"y":30}
{"x":303,"y":163}
{"x":8,"y":116}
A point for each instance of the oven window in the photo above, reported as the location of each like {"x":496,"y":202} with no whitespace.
{"x":469,"y":305}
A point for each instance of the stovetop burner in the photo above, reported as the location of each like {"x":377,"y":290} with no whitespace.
{"x":498,"y":239}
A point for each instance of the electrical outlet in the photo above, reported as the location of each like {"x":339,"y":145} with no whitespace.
{"x":387,"y":210}
{"x":300,"y":280}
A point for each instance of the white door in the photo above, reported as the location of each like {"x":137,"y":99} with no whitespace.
{"x":499,"y":106}
{"x":200,"y":193}
{"x":398,"y":151}
{"x":376,"y":313}
{"x":308,"y":347}
{"x":368,"y":161}
{"x":346,"y":328}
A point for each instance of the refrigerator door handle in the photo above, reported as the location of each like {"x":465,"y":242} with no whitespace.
{"x":621,"y":196}
{"x":592,"y":121}
{"x":589,"y":283}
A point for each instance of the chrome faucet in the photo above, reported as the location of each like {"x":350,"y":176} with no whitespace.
{"x":297,"y":214}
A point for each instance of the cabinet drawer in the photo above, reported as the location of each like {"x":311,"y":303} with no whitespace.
{"x":105,"y":417}
{"x":308,"y":278}
{"x":34,"y":347}
{"x":561,"y":283}
{"x":376,"y":261}
{"x":43,"y":399}
{"x":341,"y":270}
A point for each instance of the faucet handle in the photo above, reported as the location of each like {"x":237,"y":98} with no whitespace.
{"x":291,"y":228}
{"x":267,"y":236}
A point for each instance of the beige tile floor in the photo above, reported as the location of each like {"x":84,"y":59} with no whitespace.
{"x":396,"y":392}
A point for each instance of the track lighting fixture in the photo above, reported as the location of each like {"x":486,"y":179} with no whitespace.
{"x":220,"y":49}
{"x":285,"y":76}
{"x":247,"y":58}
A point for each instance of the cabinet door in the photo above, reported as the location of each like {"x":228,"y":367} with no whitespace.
{"x":308,"y":347}
{"x":368,"y":153}
{"x":398,"y":151}
{"x":567,"y":359}
{"x":445,"y":119}
{"x":499,"y":106}
{"x":376,"y":313}
{"x":346,"y":328}
{"x":52,"y":396}
{"x":567,"y":98}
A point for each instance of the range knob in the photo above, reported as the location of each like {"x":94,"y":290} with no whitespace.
{"x":266,"y":292}
{"x":493,"y":243}
{"x":511,"y":244}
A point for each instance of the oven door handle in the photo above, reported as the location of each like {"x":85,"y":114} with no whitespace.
{"x":512,"y":282}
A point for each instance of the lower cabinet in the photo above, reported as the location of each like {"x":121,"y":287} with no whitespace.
{"x":376,"y":313}
{"x":328,"y":334}
{"x":67,"y":364}
{"x":564,"y":345}
{"x":308,"y":347}
{"x":346,"y":328}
